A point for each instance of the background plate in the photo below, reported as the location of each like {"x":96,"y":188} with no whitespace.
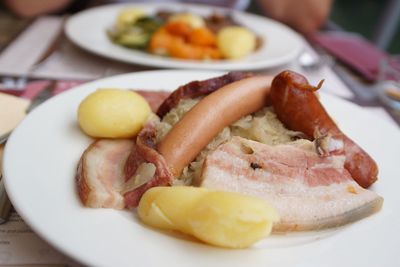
{"x":87,"y":29}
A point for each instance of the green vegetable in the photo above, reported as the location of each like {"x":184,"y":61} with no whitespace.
{"x":134,"y":38}
{"x":149,"y":24}
{"x":137,"y":35}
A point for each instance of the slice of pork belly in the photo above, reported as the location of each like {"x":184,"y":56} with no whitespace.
{"x":100,"y":175}
{"x":310,"y":192}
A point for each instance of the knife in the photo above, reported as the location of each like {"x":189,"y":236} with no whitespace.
{"x":5,"y":204}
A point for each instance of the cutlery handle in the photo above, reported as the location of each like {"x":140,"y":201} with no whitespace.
{"x":5,"y":204}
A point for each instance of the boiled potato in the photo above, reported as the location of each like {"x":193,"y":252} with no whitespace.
{"x":166,"y":207}
{"x":235,"y":42}
{"x":129,"y":16}
{"x":230,"y":219}
{"x":113,"y":113}
{"x":150,"y":212}
{"x":219,"y":218}
{"x":194,"y":21}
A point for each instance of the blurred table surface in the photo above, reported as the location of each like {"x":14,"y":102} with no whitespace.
{"x":69,"y":62}
{"x":83,"y":66}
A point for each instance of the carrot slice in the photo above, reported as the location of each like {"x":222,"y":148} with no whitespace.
{"x":161,"y":42}
{"x":211,"y":53}
{"x":179,"y":28}
{"x":183,"y":50}
{"x":202,"y":36}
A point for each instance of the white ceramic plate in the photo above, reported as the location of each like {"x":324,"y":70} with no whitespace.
{"x":41,"y":158}
{"x":88,"y":30}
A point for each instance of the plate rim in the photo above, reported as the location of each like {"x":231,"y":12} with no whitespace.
{"x":40,"y":232}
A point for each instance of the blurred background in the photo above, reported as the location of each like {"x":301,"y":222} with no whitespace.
{"x":376,"y":20}
{"x":367,"y":17}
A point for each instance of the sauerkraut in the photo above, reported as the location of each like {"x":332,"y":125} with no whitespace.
{"x":262,"y":126}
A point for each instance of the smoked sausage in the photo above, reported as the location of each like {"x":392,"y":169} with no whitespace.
{"x":297,"y":106}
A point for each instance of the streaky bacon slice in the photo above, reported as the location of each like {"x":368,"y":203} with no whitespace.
{"x":107,"y":165}
{"x":310,"y":192}
{"x":100,"y":176}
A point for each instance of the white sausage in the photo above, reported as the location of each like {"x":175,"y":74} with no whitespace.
{"x":208,"y":117}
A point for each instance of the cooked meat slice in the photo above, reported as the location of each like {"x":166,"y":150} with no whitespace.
{"x":145,"y":152}
{"x":310,"y":192}
{"x":100,"y":176}
{"x":217,"y":21}
{"x":154,"y":98}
